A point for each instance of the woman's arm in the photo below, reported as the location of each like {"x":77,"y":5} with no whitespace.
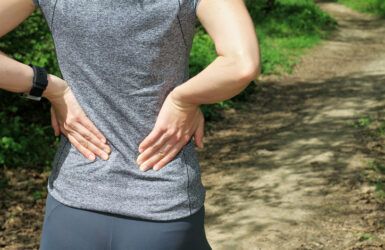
{"x":17,"y":77}
{"x":66,"y":114}
{"x":238,"y":63}
{"x":230,"y":26}
{"x":14,"y":76}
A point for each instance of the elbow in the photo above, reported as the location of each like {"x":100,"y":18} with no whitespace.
{"x":249,"y":71}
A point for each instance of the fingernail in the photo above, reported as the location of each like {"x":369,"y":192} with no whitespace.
{"x":156,"y":168}
{"x":105,"y":157}
{"x":142,"y":168}
{"x":91,"y":157}
{"x":139,"y":161}
{"x":141,"y":150}
{"x":106,"y":149}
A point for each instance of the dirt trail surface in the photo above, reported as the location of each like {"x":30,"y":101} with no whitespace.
{"x":285,"y":172}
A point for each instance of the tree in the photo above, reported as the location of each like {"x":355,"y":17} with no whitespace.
{"x":269,"y":5}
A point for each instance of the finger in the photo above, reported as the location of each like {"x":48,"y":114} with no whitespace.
{"x":87,"y":123}
{"x":159,"y":154}
{"x":148,"y":152}
{"x":83,"y":150}
{"x":54,"y":122}
{"x":151,"y":139}
{"x":170,"y":155}
{"x":89,"y":140}
{"x":199,"y":133}
{"x":86,"y":131}
{"x":152,"y":143}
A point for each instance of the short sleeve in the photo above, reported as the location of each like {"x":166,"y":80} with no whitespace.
{"x":196,"y":3}
{"x":36,"y":2}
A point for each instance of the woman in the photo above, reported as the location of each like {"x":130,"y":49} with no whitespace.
{"x":126,"y":97}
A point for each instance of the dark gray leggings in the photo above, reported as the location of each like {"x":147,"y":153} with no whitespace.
{"x":71,"y":228}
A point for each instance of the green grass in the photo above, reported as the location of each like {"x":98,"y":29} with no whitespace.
{"x":369,"y":6}
{"x":366,"y":236}
{"x":288,"y":30}
{"x":284,"y":33}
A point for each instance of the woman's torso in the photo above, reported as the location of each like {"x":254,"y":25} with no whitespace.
{"x":121,"y":58}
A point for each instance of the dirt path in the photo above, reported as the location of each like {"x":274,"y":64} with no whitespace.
{"x":285,"y":172}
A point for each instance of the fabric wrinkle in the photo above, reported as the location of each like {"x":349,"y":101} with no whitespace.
{"x":121,"y":59}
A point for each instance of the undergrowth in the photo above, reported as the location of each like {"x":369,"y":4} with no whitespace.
{"x":369,"y":6}
{"x":284,"y":33}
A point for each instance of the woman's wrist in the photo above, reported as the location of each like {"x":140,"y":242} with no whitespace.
{"x":55,"y":89}
{"x":179,"y":102}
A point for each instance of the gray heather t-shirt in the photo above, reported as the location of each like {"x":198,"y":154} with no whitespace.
{"x":121,"y":58}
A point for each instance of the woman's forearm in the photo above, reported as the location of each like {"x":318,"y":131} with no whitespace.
{"x":229,"y":25}
{"x":223,"y":79}
{"x":17,"y":77}
{"x":14,"y":76}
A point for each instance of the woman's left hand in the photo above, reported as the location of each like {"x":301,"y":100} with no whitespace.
{"x":175,"y":125}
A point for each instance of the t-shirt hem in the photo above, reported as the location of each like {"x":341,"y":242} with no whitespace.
{"x":189,"y":211}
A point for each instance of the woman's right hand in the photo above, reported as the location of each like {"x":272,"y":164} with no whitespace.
{"x":69,"y":118}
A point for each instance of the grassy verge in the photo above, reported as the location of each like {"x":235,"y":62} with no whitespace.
{"x":285,"y":32}
{"x":369,"y":6}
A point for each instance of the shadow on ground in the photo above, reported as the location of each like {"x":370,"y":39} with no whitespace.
{"x":299,"y":149}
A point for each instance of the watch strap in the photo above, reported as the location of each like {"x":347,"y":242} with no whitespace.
{"x":39,"y":83}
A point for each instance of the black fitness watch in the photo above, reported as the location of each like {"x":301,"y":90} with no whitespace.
{"x":39,"y":84}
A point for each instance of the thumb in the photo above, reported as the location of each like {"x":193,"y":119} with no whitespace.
{"x":199,"y":133}
{"x":54,"y":122}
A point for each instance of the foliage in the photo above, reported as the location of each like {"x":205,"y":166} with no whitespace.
{"x":20,"y":140}
{"x":31,"y":42}
{"x":26,"y":137}
{"x":283,"y":31}
{"x":370,"y":6}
